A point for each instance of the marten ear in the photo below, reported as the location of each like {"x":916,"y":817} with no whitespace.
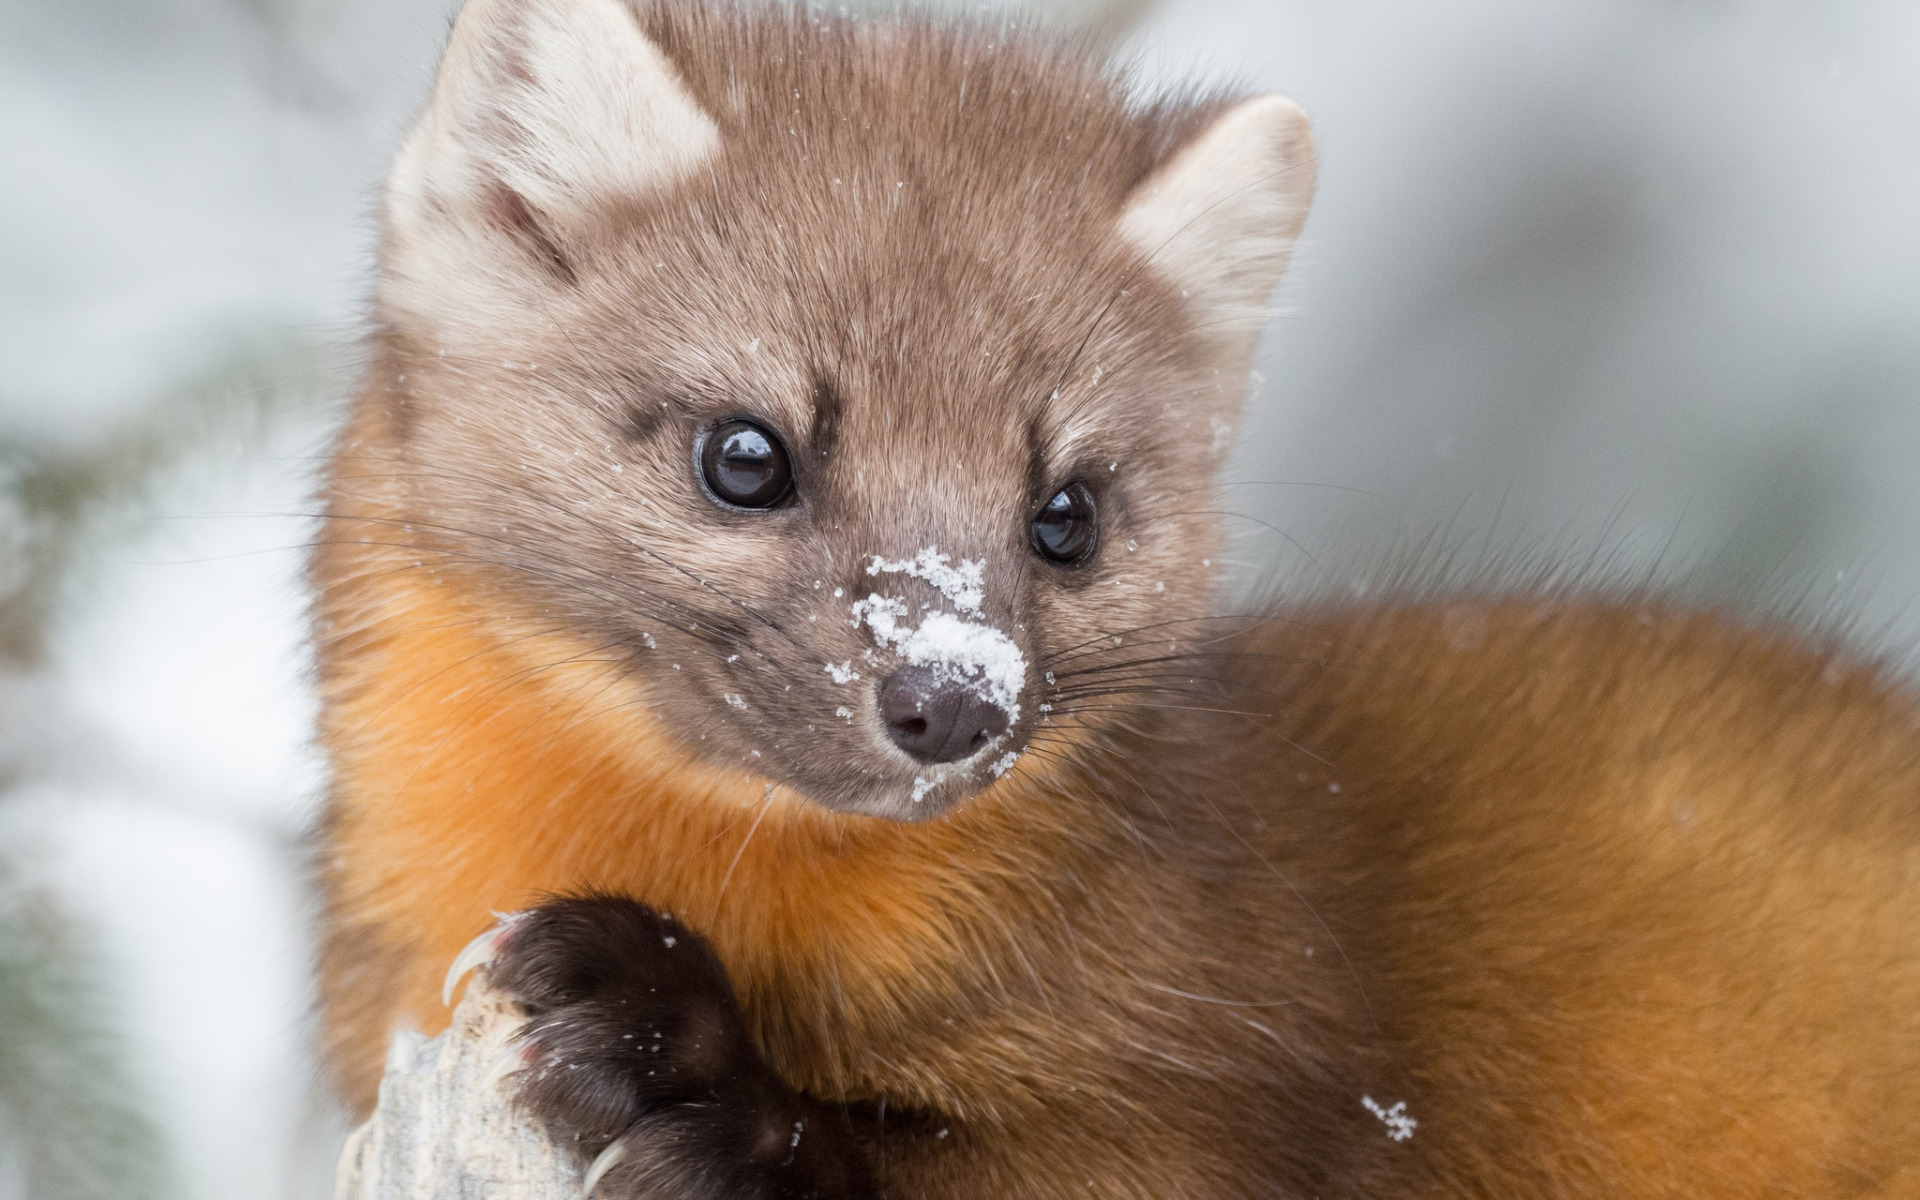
{"x":543,"y":110}
{"x":1220,"y":217}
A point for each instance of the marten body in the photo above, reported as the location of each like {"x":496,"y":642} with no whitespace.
{"x":1506,"y":896}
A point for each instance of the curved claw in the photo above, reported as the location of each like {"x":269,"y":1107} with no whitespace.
{"x":607,"y":1161}
{"x":510,"y":1061}
{"x":476,"y":953}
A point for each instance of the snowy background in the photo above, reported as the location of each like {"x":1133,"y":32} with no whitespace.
{"x":1627,"y":280}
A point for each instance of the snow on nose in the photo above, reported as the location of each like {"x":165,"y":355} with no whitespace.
{"x":957,"y":653}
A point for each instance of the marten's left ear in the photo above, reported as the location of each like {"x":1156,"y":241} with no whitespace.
{"x":1219,"y":218}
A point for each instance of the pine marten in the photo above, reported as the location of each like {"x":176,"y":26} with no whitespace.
{"x":769,"y":558}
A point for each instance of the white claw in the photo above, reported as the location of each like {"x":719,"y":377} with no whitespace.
{"x":508,"y":1062}
{"x":477,"y":953}
{"x":608,"y":1160}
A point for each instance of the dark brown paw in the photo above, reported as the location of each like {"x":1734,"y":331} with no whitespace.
{"x":634,"y":1050}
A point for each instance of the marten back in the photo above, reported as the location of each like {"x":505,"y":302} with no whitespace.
{"x":779,"y":498}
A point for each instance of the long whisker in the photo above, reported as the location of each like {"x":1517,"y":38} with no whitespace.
{"x":1232,"y":712}
{"x":1267,"y":525}
{"x":620,"y":591}
{"x":1095,"y":643}
{"x":705,"y":638}
{"x":1177,"y":658}
{"x":611,"y":535}
{"x":751,"y":830}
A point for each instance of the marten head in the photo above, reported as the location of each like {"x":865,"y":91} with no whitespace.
{"x":853,"y":387}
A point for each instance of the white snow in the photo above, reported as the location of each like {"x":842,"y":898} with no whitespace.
{"x":957,"y":645}
{"x":1005,"y":763}
{"x":843,"y":672}
{"x":971,"y":652}
{"x":1399,"y":1125}
{"x":963,"y":586}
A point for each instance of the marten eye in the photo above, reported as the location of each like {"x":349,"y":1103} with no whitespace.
{"x":1065,"y":527}
{"x":745,"y":465}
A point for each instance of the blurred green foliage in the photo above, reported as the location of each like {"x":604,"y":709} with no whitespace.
{"x":77,"y":1127}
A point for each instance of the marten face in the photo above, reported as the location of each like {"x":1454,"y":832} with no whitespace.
{"x":850,"y":414}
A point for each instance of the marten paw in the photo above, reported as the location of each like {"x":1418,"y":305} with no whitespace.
{"x":634,"y":1049}
{"x":628,"y":1011}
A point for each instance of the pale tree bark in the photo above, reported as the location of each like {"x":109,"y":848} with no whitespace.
{"x":442,"y":1131}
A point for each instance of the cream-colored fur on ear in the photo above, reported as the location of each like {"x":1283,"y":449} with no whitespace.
{"x":564,"y":103}
{"x":1219,"y":219}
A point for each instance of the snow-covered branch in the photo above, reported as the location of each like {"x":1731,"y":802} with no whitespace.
{"x":444,"y":1129}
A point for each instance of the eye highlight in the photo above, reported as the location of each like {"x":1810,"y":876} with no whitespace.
{"x":745,"y":466}
{"x":1067,"y":526}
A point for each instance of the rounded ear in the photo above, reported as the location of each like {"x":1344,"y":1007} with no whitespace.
{"x":1219,"y":219}
{"x":542,"y":110}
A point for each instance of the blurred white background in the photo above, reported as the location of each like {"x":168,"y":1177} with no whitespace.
{"x":1634,"y":282}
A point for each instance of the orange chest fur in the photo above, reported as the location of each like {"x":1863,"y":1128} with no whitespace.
{"x":474,"y":775}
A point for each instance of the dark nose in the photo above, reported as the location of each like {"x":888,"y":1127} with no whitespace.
{"x":936,"y":720}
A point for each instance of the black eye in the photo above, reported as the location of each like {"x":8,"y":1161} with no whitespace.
{"x":1065,"y":527}
{"x":745,"y":465}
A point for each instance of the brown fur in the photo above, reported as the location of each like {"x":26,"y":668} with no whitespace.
{"x":1620,"y":901}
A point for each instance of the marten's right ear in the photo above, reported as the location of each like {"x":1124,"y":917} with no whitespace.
{"x":543,"y":111}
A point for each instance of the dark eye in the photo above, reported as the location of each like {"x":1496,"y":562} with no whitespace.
{"x":745,"y":465}
{"x":1065,"y":527}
